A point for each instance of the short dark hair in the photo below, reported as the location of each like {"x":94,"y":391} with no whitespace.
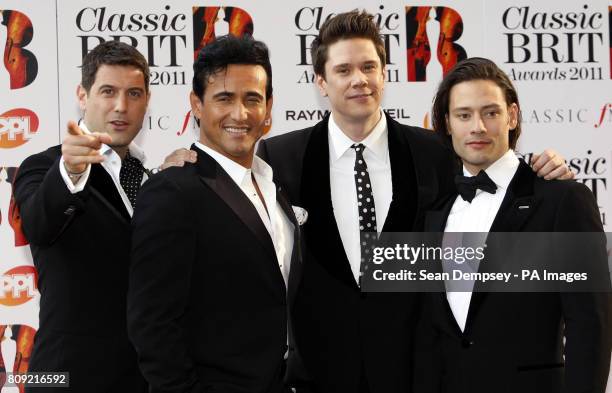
{"x":353,"y":24}
{"x":474,"y":68}
{"x":112,"y":53}
{"x":226,"y":50}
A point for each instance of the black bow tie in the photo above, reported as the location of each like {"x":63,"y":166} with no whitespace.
{"x":467,"y":186}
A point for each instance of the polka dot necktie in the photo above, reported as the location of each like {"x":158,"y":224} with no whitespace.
{"x":365,"y":205}
{"x":130,"y":177}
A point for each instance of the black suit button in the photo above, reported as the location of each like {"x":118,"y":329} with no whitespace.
{"x":70,"y":210}
{"x":466,"y":343}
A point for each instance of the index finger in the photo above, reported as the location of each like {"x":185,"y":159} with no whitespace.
{"x":74,"y":129}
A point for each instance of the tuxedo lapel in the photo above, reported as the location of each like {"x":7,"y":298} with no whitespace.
{"x":519,"y":202}
{"x":295,"y":272}
{"x":283,"y":201}
{"x":435,"y":220}
{"x":103,"y":188}
{"x":315,"y":193}
{"x":517,"y":206}
{"x":402,"y":211}
{"x":213,"y":175}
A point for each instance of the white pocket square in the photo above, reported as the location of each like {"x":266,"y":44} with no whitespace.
{"x":300,"y":214}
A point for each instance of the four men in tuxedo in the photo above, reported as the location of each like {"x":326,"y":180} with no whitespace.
{"x":215,"y":254}
{"x":481,"y":340}
{"x":358,"y":171}
{"x":217,"y":296}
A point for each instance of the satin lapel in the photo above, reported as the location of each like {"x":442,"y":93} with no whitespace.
{"x":103,"y":188}
{"x":295,"y":272}
{"x":222,"y":184}
{"x":404,"y":203}
{"x":517,"y":206}
{"x":320,"y":230}
{"x":435,"y":222}
{"x":518,"y":202}
{"x":283,"y":201}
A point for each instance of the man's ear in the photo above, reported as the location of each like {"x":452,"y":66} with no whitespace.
{"x":513,"y":115}
{"x":269,"y":109}
{"x":447,"y":124}
{"x":82,"y":97}
{"x":196,"y":105}
{"x":321,"y":84}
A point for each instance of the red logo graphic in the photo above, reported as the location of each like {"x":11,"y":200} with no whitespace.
{"x":20,"y":63}
{"x":14,"y":218}
{"x":205,"y":18}
{"x":17,"y":126}
{"x":605,"y":110}
{"x":418,"y":50}
{"x":16,"y":345}
{"x":18,"y":285}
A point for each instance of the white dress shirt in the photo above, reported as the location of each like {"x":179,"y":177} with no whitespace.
{"x":274,"y":219}
{"x":478,"y":216}
{"x":342,"y":183}
{"x":112,"y":165}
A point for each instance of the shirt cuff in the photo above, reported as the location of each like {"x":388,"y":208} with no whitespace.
{"x":80,"y":184}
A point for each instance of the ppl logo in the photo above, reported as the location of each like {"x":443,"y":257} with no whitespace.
{"x":17,"y":126}
{"x":205,"y":19}
{"x":20,"y":63}
{"x":432,"y":27}
{"x":18,"y":285}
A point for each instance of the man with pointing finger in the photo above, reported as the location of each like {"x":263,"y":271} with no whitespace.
{"x":76,"y":201}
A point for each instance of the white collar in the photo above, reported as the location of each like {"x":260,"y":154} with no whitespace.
{"x":105,"y":150}
{"x":501,"y":171}
{"x":377,"y":141}
{"x":236,"y":171}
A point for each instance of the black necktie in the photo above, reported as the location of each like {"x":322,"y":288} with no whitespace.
{"x":130,"y":177}
{"x":467,"y":185}
{"x":365,"y":206}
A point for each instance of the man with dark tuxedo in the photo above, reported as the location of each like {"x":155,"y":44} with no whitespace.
{"x":76,"y":201}
{"x":357,"y":171}
{"x":512,"y":342}
{"x":215,"y":253}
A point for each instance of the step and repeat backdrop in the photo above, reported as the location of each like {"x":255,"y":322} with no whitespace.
{"x":558,"y":53}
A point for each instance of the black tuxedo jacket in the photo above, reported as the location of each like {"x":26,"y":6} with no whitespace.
{"x":207,"y":305}
{"x":513,"y":342}
{"x":352,"y":341}
{"x":80,"y":246}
